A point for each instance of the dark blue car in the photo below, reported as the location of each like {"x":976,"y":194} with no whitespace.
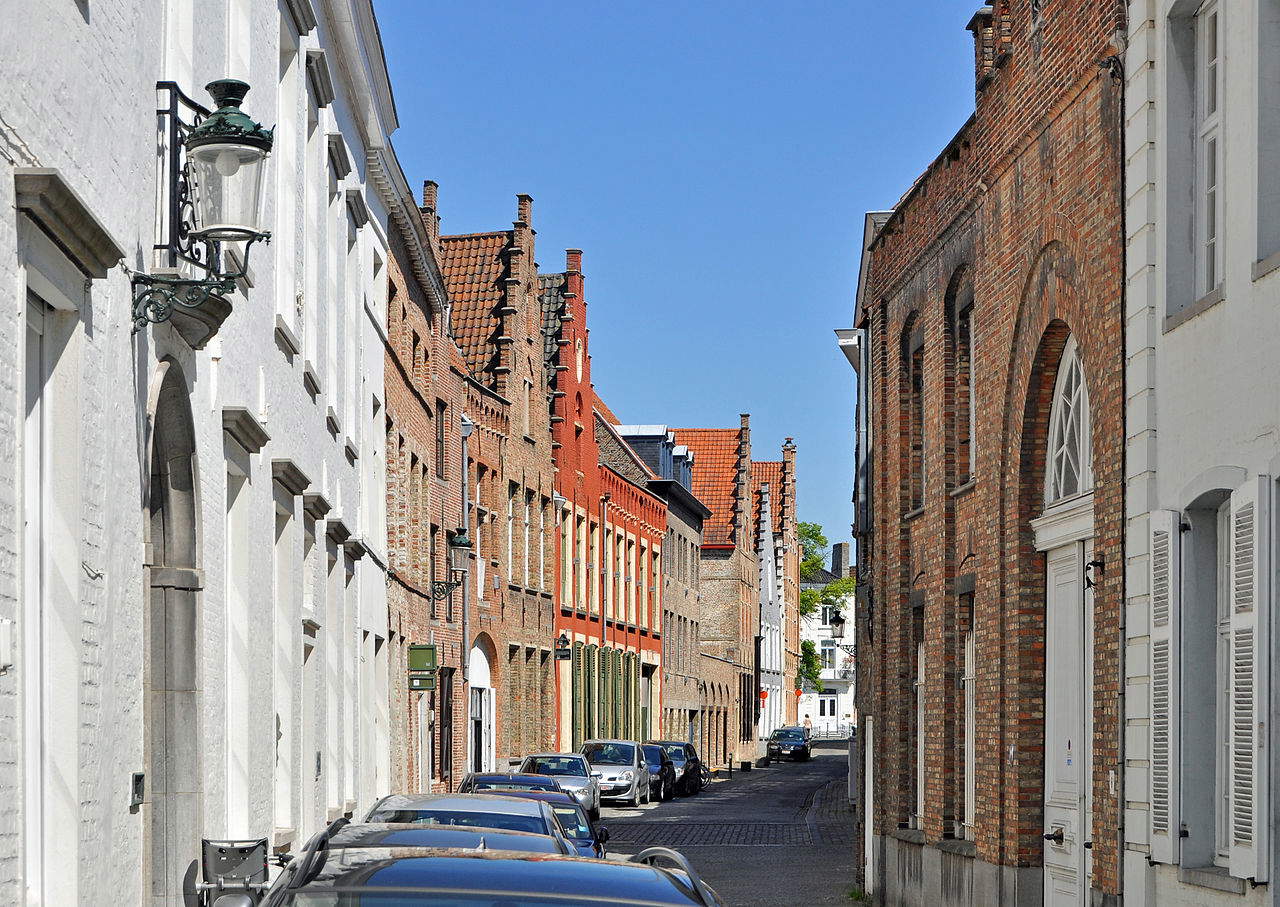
{"x":586,"y":838}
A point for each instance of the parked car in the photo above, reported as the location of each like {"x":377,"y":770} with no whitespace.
{"x":662,"y":772}
{"x":690,"y":777}
{"x":402,"y":834}
{"x":323,"y":874}
{"x":499,"y":782}
{"x":789,"y":742}
{"x":572,"y":772}
{"x":587,"y":838}
{"x":624,"y":775}
{"x":468,"y":810}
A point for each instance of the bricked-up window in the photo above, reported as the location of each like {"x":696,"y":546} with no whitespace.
{"x":1069,"y":466}
{"x":918,"y":687}
{"x":1208,"y":91}
{"x":915,"y":417}
{"x":965,"y":409}
{"x":970,"y":726}
{"x":441,"y":459}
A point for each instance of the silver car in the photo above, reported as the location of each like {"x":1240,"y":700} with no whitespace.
{"x":470,"y":811}
{"x":624,"y":774}
{"x":572,"y":772}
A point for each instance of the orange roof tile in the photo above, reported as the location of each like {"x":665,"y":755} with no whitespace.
{"x":603,"y":409}
{"x":766,"y":471}
{"x":715,"y":476}
{"x":473,"y":267}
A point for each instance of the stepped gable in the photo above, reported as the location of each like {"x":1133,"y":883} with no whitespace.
{"x":474,"y":266}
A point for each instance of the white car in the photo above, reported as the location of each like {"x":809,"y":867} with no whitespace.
{"x":572,"y":772}
{"x":623,"y":772}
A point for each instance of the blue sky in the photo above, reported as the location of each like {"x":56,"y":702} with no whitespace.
{"x":713,"y":161}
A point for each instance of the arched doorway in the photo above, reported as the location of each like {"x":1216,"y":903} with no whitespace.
{"x":1064,"y":534}
{"x":480,"y":717}
{"x":171,"y":675}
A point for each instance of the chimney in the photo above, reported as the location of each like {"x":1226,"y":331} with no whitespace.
{"x":984,"y":45}
{"x":840,"y":559}
{"x":788,"y":490}
{"x":573,"y":259}
{"x":430,"y":217}
{"x":524,"y":209}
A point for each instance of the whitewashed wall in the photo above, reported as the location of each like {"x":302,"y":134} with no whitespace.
{"x":81,"y":99}
{"x":1202,"y":369}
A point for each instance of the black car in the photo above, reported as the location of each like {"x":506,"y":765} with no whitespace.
{"x":325,"y":875}
{"x":502,"y":782}
{"x":586,"y":838}
{"x":662,"y":771}
{"x":691,"y":775}
{"x":789,"y":742}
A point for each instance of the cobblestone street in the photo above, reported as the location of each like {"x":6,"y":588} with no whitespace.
{"x":781,"y":835}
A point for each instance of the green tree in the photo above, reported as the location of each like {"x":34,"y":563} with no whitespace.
{"x":814,"y":542}
{"x":809,"y":674}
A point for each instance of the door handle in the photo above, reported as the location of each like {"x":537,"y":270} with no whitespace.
{"x":1056,"y":836}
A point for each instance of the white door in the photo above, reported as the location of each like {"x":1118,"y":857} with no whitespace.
{"x":1068,"y":721}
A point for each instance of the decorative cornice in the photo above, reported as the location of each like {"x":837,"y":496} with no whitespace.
{"x":44,"y":196}
{"x":319,"y":77}
{"x":315,"y":505}
{"x":338,"y":156}
{"x":244,"y":427}
{"x":355,"y":548}
{"x":302,"y":14}
{"x":383,"y":172}
{"x":337,"y":530}
{"x":291,"y":478}
{"x":356,"y":206}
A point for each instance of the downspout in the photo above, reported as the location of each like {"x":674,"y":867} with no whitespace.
{"x":467,"y":428}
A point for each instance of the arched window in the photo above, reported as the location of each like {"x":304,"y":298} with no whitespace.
{"x":1068,"y":470}
{"x":964,"y":397}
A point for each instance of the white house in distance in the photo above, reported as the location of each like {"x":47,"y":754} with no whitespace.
{"x":193,"y":630}
{"x":831,"y":709}
{"x":1202,"y":152}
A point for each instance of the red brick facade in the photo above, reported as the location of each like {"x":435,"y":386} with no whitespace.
{"x":1022,"y":212}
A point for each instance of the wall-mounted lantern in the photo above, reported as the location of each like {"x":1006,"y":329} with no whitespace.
{"x":215,"y":167}
{"x":459,"y":561}
{"x":564,"y":648}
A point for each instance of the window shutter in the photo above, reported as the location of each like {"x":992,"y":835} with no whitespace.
{"x":1165,"y":619}
{"x":1250,"y":590}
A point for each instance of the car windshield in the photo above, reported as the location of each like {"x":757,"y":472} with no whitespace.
{"x":610,"y":753}
{"x":352,"y":897}
{"x":573,"y":820}
{"x":675,"y":751}
{"x":653,"y":754}
{"x":788,"y":733}
{"x":555,"y":765}
{"x":513,"y":785}
{"x":468,"y":819}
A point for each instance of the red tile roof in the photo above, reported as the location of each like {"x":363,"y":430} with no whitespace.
{"x":715,"y":477}
{"x":603,"y":409}
{"x":763,"y":471}
{"x":473,"y":267}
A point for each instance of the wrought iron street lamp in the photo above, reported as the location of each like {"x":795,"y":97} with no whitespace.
{"x":459,"y":556}
{"x":837,"y":623}
{"x":215,"y":197}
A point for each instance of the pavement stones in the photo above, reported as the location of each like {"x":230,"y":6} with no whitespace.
{"x":781,"y":835}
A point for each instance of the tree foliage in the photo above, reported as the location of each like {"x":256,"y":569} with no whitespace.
{"x":809,"y":674}
{"x":814,"y":542}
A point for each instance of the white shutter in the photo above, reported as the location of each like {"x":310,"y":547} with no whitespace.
{"x":1250,"y":590}
{"x":1165,"y":620}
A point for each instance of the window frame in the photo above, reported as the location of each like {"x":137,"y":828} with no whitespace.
{"x":1069,"y":363}
{"x":1208,"y":132}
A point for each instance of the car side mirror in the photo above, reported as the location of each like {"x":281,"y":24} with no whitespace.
{"x":597,"y":774}
{"x":602,"y":834}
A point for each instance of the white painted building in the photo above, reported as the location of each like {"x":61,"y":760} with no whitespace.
{"x":770,"y":564}
{"x":192,"y":596}
{"x":1202,"y":141}
{"x":831,"y":708}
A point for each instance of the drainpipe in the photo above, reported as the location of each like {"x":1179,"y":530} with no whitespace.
{"x":604,"y":521}
{"x":467,"y":428}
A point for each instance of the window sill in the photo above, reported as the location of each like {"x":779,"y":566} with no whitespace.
{"x":968,"y":486}
{"x":1215,"y":877}
{"x":910,"y":835}
{"x":958,"y":846}
{"x":1203,"y":304}
{"x":1265,"y":266}
{"x":530,"y":440}
{"x":912,"y":514}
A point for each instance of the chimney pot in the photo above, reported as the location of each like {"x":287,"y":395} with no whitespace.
{"x":430,"y":191}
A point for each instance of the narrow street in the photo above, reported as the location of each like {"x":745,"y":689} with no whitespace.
{"x":776,"y":835}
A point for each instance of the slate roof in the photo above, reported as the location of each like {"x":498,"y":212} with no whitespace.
{"x":473,"y":267}
{"x":617,"y":454}
{"x":715,"y":478}
{"x":766,"y":472}
{"x":551,"y":289}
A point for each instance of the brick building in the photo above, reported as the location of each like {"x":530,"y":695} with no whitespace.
{"x":507,"y":612}
{"x":694,"y":689}
{"x":611,"y":529}
{"x":729,"y":571}
{"x":990,"y":323}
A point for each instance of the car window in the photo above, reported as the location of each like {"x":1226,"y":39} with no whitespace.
{"x":653,"y":754}
{"x":675,"y":751}
{"x":610,"y":753}
{"x":468,"y":819}
{"x":573,"y":820}
{"x":788,"y":734}
{"x":555,"y":765}
{"x":513,"y":785}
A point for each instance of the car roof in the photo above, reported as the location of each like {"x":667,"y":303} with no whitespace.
{"x":512,"y":776}
{"x":534,"y":876}
{"x":671,"y":742}
{"x":463,"y":803}
{"x":398,"y":834}
{"x":555,"y":755}
{"x":610,"y":740}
